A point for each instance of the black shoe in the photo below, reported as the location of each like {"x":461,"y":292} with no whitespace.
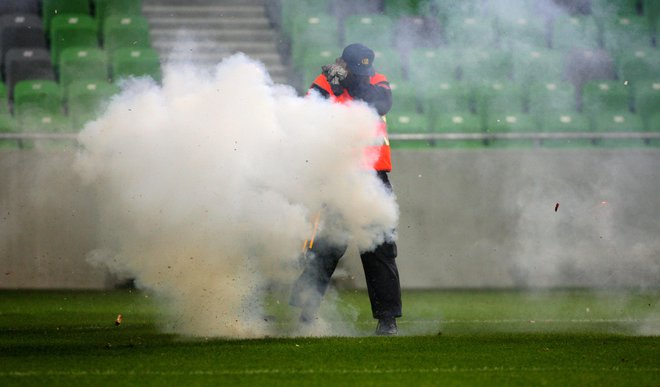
{"x":386,"y":327}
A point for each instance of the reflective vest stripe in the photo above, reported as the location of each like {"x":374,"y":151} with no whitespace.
{"x":380,"y":153}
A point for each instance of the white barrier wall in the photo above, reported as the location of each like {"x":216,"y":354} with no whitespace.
{"x":469,"y":218}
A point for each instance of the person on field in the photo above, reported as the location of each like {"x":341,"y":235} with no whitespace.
{"x":352,"y":77}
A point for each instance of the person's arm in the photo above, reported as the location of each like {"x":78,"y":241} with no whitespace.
{"x":379,"y":95}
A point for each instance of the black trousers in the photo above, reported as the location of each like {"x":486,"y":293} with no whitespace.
{"x":379,"y":266}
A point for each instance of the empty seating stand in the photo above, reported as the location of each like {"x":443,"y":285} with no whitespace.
{"x":21,"y":30}
{"x":23,"y":64}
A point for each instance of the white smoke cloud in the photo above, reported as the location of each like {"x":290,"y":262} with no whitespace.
{"x":208,"y":186}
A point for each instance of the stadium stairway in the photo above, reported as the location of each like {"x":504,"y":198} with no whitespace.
{"x":213,"y":30}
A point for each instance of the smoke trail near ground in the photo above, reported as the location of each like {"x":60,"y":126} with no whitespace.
{"x":208,"y":187}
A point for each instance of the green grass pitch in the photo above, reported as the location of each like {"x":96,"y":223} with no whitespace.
{"x":462,"y":338}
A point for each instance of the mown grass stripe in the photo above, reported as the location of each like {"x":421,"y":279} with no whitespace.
{"x":261,"y":371}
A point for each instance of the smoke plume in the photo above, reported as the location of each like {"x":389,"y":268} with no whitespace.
{"x":209,"y":185}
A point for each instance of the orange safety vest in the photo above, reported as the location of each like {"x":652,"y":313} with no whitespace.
{"x":380,"y":153}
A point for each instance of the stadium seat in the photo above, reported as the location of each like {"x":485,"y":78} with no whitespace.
{"x":620,"y":32}
{"x":291,"y":10}
{"x":523,"y":30}
{"x":447,"y":97}
{"x":52,"y":8}
{"x":24,"y":64}
{"x":314,"y":59}
{"x":311,"y":34}
{"x":570,"y":121}
{"x":388,"y":62}
{"x":617,"y":122}
{"x":8,"y":125}
{"x":19,"y":6}
{"x":429,"y":67}
{"x":125,"y":31}
{"x":510,"y":122}
{"x":478,"y":65}
{"x":460,"y":123}
{"x":404,"y":97}
{"x":610,"y":96}
{"x":82,"y":64}
{"x":31,"y":95}
{"x":498,"y":97}
{"x":130,"y":62}
{"x":38,"y":106}
{"x":106,"y":8}
{"x":574,"y":32}
{"x":642,"y":64}
{"x":397,"y":8}
{"x":372,"y":30}
{"x":401,"y":121}
{"x":647,"y":102}
{"x":535,"y":64}
{"x":550,"y":97}
{"x":72,"y":31}
{"x":85,"y":100}
{"x":21,"y":31}
{"x":471,"y":31}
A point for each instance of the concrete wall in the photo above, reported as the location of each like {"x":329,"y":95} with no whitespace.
{"x":468,"y":219}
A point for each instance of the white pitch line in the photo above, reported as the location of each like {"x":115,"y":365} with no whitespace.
{"x":262,"y":371}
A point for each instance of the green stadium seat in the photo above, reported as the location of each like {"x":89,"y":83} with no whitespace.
{"x":535,"y":64}
{"x":610,"y":96}
{"x":311,"y":34}
{"x":86,"y":100}
{"x":458,"y":122}
{"x":38,"y":106}
{"x":550,"y":96}
{"x":82,"y":64}
{"x":31,"y":95}
{"x":570,"y":121}
{"x":639,"y":65}
{"x":510,"y":122}
{"x":499,"y":97}
{"x":52,"y":8}
{"x":617,"y":122}
{"x":447,"y":97}
{"x":429,"y":67}
{"x":477,"y":65}
{"x":130,"y":62}
{"x":404,"y":97}
{"x":372,"y":30}
{"x":471,"y":31}
{"x":125,"y":31}
{"x":388,"y":62}
{"x":24,"y":64}
{"x":647,"y":102}
{"x":314,"y":59}
{"x":397,"y":8}
{"x":620,"y":32}
{"x":71,"y":31}
{"x":105,"y":8}
{"x":574,"y":32}
{"x":291,"y":10}
{"x":524,"y":30}
{"x":401,"y":121}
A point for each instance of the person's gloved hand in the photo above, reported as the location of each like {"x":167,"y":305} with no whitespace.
{"x":357,"y":86}
{"x":336,"y":73}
